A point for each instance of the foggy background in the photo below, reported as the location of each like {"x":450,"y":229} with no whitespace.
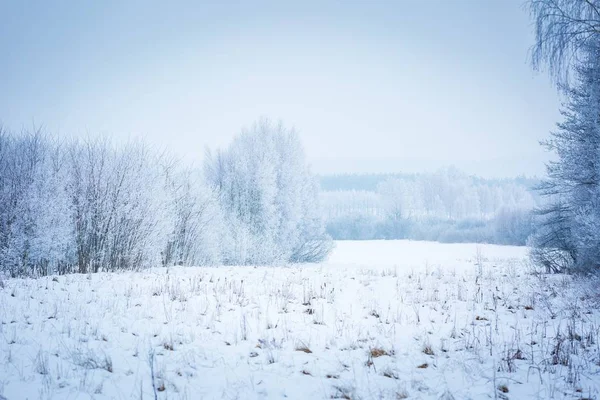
{"x":371,"y":86}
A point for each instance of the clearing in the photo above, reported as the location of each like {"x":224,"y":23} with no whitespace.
{"x":380,"y":319}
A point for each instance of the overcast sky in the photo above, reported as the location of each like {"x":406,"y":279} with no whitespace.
{"x":371,"y":86}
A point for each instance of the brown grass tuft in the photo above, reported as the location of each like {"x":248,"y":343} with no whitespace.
{"x":378,"y":352}
{"x":304,"y":349}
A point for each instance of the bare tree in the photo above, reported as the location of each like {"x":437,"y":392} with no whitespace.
{"x":561,"y":29}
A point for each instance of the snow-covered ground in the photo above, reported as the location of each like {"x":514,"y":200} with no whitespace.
{"x":383,"y":319}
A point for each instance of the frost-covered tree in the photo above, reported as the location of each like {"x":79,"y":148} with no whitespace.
{"x":269,"y":198}
{"x":118,"y":206}
{"x":446,"y":205}
{"x":569,"y":237}
{"x":513,"y":225}
{"x":400,"y":200}
{"x":50,"y":205}
{"x":197,"y":223}
{"x":562,"y":29}
{"x":35,"y":232}
{"x":88,"y":205}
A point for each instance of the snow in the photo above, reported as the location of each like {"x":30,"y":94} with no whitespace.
{"x":416,"y":254}
{"x":360,"y":325}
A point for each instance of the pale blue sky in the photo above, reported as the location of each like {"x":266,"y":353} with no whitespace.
{"x":371,"y":85}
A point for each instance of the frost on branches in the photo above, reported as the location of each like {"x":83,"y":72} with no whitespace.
{"x":268,"y":197}
{"x":569,"y":236}
{"x":89,"y":206}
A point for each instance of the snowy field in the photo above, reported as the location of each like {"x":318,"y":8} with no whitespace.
{"x":389,"y":320}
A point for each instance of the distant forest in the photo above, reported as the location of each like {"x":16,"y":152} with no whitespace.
{"x":369,"y":182}
{"x":447,"y":205}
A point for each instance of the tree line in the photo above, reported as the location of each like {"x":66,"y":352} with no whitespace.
{"x":447,"y":206}
{"x":89,"y":205}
